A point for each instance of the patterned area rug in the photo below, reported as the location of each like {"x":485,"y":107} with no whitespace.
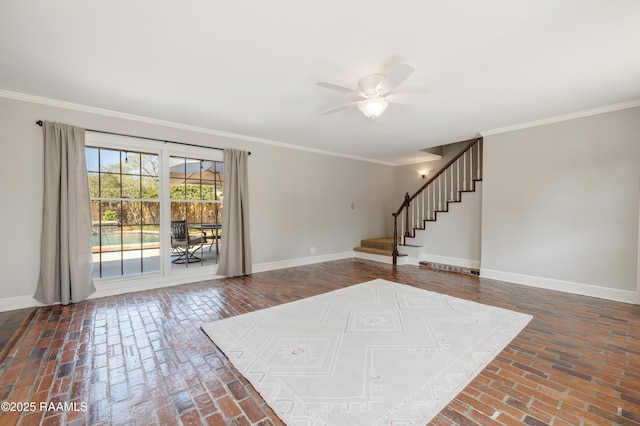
{"x":377,"y":353}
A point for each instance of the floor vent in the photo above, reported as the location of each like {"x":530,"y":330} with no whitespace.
{"x":451,"y":268}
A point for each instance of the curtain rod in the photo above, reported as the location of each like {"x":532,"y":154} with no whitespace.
{"x":40,"y":123}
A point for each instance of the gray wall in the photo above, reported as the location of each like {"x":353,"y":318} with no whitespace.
{"x":298,"y":200}
{"x":560,"y":204}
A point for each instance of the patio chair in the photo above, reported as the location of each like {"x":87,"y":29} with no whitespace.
{"x":183,"y":244}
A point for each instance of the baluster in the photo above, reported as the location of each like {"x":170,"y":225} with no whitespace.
{"x":413,"y":215}
{"x":428,"y":216}
{"x":436,"y":195}
{"x":440,"y":192}
{"x":458,"y":161}
{"x":446,"y":194}
{"x":464,"y":170}
{"x":421,"y":219}
{"x":433,"y":200}
{"x":477,"y":146}
{"x":452,"y":167}
{"x":480,"y":158}
{"x":472,"y":163}
{"x":424,"y":207}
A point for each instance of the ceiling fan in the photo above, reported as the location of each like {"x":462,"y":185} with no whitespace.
{"x":373,"y":91}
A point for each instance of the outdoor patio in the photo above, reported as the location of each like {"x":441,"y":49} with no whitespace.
{"x":129,"y":262}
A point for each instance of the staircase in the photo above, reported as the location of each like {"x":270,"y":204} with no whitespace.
{"x":459,"y":175}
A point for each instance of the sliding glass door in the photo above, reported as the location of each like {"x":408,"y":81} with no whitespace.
{"x":154,"y":209}
{"x":196,"y":187}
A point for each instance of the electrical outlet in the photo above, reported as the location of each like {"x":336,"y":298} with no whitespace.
{"x":313,"y":250}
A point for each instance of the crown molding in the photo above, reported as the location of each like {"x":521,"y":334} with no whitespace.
{"x":175,"y":125}
{"x":565,"y":117}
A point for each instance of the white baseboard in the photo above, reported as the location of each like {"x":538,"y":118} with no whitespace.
{"x":402,"y":260}
{"x":452,"y":261}
{"x":559,"y":285}
{"x":18,"y":302}
{"x":301,"y":261}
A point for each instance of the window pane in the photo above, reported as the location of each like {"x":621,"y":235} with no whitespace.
{"x":111,"y":238}
{"x":130,"y":186}
{"x":192,"y":169}
{"x":178,"y":211}
{"x":177,"y":192}
{"x":94,"y":185}
{"x":131,"y":162}
{"x":193,"y":191}
{"x":131,"y":238}
{"x":95,"y":264}
{"x":149,"y":165}
{"x":151,"y":260}
{"x":131,"y":213}
{"x":91,"y":155}
{"x":109,"y":161}
{"x":208,"y":192}
{"x":109,"y":213}
{"x":150,"y":213}
{"x":150,"y":187}
{"x":150,"y":237}
{"x":131,"y":262}
{"x":212,"y":213}
{"x":194,"y":213}
{"x":177,"y":163}
{"x":95,"y":215}
{"x":110,"y":185}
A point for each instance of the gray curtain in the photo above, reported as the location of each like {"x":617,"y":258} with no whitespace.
{"x":65,"y":251}
{"x":235,"y":248}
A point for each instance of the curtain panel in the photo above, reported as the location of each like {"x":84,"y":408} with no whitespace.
{"x":65,"y":251}
{"x":235,"y":249}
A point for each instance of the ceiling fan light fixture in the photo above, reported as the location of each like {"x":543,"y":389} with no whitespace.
{"x":373,"y":107}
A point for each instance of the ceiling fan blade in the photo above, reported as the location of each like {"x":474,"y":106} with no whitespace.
{"x":340,"y":108}
{"x":336,"y":87}
{"x":397,"y":75}
{"x":405,"y":98}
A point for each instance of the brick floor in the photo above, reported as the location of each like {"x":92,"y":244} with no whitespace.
{"x":141,"y":358}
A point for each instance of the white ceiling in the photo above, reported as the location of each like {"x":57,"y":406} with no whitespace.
{"x":250,"y":67}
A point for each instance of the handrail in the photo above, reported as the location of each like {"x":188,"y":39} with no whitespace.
{"x":408,"y":199}
{"x":470,"y":143}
